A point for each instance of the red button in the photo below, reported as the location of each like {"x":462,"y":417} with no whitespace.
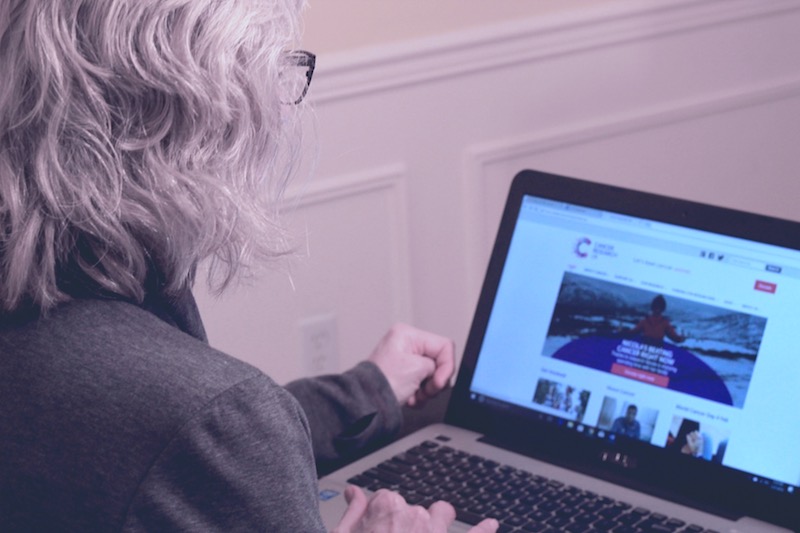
{"x":766,"y":286}
{"x":639,"y":375}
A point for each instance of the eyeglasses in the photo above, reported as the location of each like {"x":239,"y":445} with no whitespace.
{"x":295,"y":77}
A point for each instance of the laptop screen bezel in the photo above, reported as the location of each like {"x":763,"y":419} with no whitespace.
{"x":682,"y":479}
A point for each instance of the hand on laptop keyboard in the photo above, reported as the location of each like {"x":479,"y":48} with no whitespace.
{"x":522,"y":501}
{"x":388,"y":512}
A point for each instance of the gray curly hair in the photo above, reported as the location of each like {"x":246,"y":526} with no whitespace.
{"x":137,"y":134}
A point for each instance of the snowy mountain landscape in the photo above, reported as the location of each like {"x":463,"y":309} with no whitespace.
{"x":587,"y":306}
{"x":727,"y":341}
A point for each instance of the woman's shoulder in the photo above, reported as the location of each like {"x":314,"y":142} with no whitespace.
{"x":121,"y":390}
{"x":121,"y":358}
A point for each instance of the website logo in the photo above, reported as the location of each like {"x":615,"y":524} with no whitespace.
{"x":583,"y":247}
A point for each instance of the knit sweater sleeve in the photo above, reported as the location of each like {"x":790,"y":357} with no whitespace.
{"x":243,"y":463}
{"x":349,"y":414}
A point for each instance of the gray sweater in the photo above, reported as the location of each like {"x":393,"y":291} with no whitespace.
{"x":117,"y":417}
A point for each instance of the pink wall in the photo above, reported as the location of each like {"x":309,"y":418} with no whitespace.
{"x":334,"y":26}
{"x":418,"y":139}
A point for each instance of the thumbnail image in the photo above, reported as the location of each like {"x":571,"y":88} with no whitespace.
{"x":703,"y":441}
{"x":627,"y":419}
{"x":690,"y":347}
{"x":564,"y":398}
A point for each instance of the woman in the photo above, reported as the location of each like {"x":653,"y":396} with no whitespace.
{"x":137,"y":139}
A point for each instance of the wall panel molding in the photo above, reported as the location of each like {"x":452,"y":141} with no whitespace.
{"x":479,"y":158}
{"x":351,"y":74}
{"x":390,"y":180}
{"x":304,"y":193}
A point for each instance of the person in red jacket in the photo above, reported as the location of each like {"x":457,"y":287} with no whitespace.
{"x":655,"y":326}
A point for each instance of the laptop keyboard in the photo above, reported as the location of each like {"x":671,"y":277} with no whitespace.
{"x":479,"y":488}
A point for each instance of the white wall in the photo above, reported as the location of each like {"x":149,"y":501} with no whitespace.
{"x":418,"y":141}
{"x":341,"y":25}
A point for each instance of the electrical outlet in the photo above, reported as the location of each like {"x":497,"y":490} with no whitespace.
{"x":319,"y":340}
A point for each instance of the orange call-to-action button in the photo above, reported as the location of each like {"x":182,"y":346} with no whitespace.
{"x":639,"y":375}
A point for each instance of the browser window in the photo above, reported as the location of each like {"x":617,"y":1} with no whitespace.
{"x":691,"y":332}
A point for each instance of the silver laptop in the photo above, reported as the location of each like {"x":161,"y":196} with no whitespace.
{"x":632,"y":366}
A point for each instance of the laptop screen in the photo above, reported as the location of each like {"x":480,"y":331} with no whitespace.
{"x":627,"y":329}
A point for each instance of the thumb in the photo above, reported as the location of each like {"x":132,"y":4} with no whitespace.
{"x":356,"y":506}
{"x":490,"y":525}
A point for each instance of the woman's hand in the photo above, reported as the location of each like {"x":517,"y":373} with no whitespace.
{"x":417,"y":364}
{"x":388,"y":512}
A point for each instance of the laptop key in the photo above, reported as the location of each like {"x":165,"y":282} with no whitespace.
{"x":384,"y":477}
{"x":540,"y":515}
{"x":413,"y":498}
{"x":359,"y":480}
{"x":427,"y":491}
{"x":533,"y":527}
{"x":584,"y":518}
{"x":657,"y":528}
{"x":514,"y":520}
{"x":592,"y":506}
{"x":502,"y":504}
{"x":675,"y":523}
{"x":610,"y":512}
{"x":655,"y":525}
{"x":521,"y":509}
{"x":577,"y":528}
{"x":479,"y":508}
{"x":641,"y":511}
{"x":395,"y":468}
{"x":626,"y":529}
{"x":468,"y":517}
{"x":548,"y":506}
{"x":558,"y":521}
{"x":566,"y":511}
{"x":605,"y":524}
{"x":458,"y":501}
{"x":629,"y":519}
{"x":512,"y":494}
{"x":485,"y":497}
